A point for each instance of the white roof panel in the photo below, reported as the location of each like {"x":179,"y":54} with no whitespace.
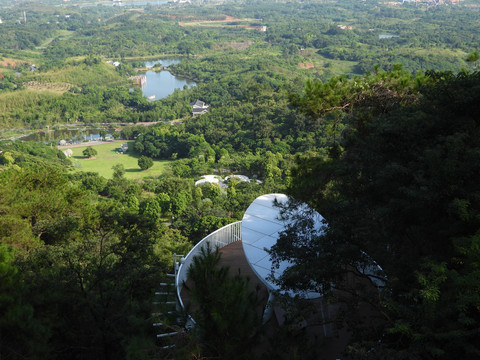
{"x":263,"y":273}
{"x":251,"y":235}
{"x":269,"y":199}
{"x":261,"y":226}
{"x":254,"y":254}
{"x":265,"y":243}
{"x":266,"y":213}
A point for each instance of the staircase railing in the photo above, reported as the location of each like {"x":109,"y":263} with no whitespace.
{"x":217,"y":239}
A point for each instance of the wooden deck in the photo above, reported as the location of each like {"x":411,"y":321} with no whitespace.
{"x":233,"y":257}
{"x":332,"y":347}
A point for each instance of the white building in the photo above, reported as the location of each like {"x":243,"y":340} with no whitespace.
{"x":199,"y":108}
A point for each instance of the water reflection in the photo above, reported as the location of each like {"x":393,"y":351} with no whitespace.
{"x":136,"y":3}
{"x":387,"y":36}
{"x":71,"y":136}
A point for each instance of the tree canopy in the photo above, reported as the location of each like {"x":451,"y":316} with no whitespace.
{"x":89,"y":152}
{"x":144,"y":162}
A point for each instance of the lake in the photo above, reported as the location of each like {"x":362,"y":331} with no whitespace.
{"x":163,"y":83}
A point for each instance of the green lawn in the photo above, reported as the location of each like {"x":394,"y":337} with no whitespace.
{"x":107,"y":156}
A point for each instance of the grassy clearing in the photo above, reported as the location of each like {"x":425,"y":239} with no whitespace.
{"x":59,"y":88}
{"x":319,"y":64}
{"x":21,"y":98}
{"x":107,"y":157}
{"x":61,"y":35}
{"x":434,"y":51}
{"x":340,"y":67}
{"x":100,"y":74}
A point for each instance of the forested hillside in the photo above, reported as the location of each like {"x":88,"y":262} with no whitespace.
{"x":367,"y":111}
{"x":224,"y":48}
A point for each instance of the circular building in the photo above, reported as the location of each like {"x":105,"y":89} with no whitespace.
{"x":261,"y":227}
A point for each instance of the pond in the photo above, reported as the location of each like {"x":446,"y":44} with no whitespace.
{"x":387,"y":36}
{"x":163,"y":83}
{"x":135,"y":3}
{"x":70,"y":135}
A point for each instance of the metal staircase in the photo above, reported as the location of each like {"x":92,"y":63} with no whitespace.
{"x":168,"y":320}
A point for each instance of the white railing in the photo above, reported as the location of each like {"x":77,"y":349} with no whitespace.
{"x":218,"y":239}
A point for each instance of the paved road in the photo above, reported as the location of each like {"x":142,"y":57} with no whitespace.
{"x":87,"y":143}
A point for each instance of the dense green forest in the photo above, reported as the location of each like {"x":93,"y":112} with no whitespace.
{"x":366,"y":111}
{"x":400,"y":185}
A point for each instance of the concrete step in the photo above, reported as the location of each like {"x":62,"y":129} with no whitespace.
{"x":167,"y":334}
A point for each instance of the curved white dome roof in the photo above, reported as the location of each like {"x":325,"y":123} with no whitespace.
{"x":260,"y":227}
{"x":212,"y":179}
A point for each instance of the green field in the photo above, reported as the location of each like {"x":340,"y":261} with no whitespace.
{"x":108,"y":156}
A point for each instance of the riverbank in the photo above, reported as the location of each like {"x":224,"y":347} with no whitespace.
{"x":18,"y":133}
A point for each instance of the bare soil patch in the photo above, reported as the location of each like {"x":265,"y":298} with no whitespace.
{"x":227,"y":19}
{"x":6,"y":62}
{"x":306,"y":65}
